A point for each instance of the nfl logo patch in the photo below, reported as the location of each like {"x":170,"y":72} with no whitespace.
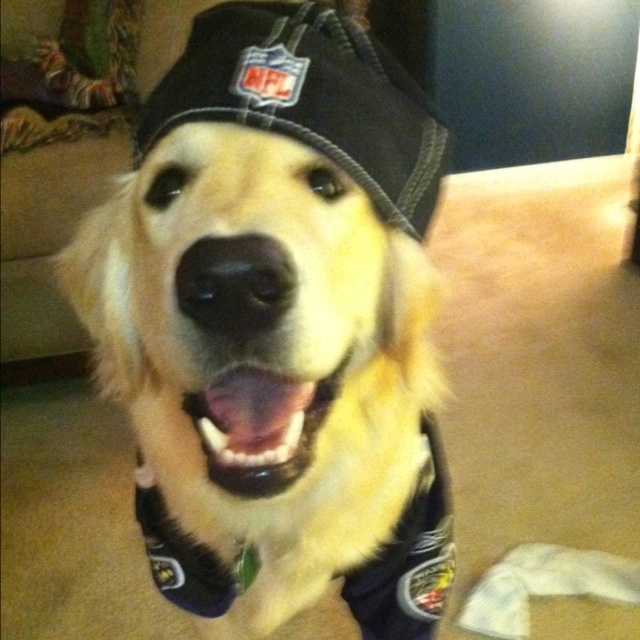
{"x":167,"y":572}
{"x":270,"y":76}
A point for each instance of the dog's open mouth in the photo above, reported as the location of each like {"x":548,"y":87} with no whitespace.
{"x":258,"y":428}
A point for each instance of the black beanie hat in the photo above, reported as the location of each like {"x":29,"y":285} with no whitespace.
{"x":309,"y":72}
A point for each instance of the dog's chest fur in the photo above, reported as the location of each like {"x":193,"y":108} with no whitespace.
{"x":335,"y":518}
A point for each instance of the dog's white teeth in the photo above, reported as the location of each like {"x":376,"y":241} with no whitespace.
{"x":240,"y":459}
{"x":255,"y":460}
{"x":270,"y":457}
{"x":216,"y":440}
{"x":283,"y":453}
{"x":294,"y":431}
{"x":228,"y":456}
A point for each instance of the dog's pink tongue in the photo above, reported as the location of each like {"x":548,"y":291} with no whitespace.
{"x":254,"y":406}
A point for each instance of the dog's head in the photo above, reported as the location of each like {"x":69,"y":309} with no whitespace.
{"x":252,"y":271}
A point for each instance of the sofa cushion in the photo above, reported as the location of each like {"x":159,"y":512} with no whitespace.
{"x":36,"y":319}
{"x":71,"y":77}
{"x":46,"y":189}
{"x":23,"y":21}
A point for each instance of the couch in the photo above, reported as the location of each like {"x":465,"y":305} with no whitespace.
{"x":45,"y":189}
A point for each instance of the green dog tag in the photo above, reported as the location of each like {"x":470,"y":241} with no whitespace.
{"x":246,"y":567}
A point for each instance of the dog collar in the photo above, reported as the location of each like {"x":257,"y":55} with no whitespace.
{"x":309,"y":72}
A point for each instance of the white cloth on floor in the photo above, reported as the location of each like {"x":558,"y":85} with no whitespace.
{"x":498,"y":606}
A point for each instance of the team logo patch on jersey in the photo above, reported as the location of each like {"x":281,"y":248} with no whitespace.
{"x":422,"y":592}
{"x":270,"y":76}
{"x":167,"y":572}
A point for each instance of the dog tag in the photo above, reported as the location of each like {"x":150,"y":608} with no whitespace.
{"x":246,"y":567}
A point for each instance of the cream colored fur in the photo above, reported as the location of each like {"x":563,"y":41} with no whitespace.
{"x":362,"y":287}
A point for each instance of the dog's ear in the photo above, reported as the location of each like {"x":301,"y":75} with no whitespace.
{"x":412,"y":299}
{"x":94,"y":273}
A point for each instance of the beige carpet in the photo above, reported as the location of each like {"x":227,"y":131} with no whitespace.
{"x":541,"y":338}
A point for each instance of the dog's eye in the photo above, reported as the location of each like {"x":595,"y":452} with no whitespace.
{"x":325,"y":183}
{"x":167,"y":186}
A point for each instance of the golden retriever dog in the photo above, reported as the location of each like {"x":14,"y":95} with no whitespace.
{"x":267,"y":331}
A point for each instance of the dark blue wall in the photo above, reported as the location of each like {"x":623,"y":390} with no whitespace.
{"x":527,"y":81}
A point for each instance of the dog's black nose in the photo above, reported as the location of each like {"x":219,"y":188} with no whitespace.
{"x":237,"y":285}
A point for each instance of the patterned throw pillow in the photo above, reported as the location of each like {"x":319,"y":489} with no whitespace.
{"x":82,"y":82}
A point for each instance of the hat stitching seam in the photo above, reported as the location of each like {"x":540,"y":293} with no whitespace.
{"x":366,"y":49}
{"x":424,"y":153}
{"x":276,"y":32}
{"x":321,"y":18}
{"x":338,"y":34}
{"x":302,"y":13}
{"x":291,"y":46}
{"x":430,"y":171}
{"x":390,"y":212}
